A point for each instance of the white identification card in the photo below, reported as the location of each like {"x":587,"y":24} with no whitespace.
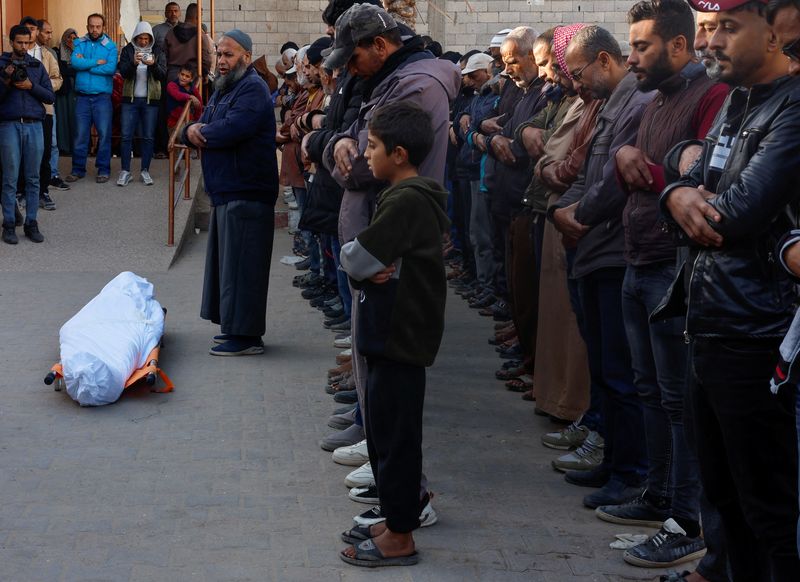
{"x":719,"y":157}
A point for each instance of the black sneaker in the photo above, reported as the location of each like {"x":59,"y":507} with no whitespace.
{"x":669,"y":547}
{"x":9,"y":233}
{"x":335,"y":320}
{"x":592,"y":478}
{"x":332,"y":313}
{"x":303,"y":265}
{"x":313,"y":292}
{"x":31,"y":230}
{"x":346,"y":397}
{"x":640,"y":511}
{"x":313,"y":280}
{"x":46,"y":202}
{"x":58,"y":184}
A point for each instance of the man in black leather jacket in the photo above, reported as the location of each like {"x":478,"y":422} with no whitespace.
{"x":737,"y":301}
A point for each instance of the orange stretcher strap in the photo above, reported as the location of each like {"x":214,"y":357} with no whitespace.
{"x":151,"y":367}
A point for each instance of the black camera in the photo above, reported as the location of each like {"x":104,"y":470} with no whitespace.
{"x":20,"y":72}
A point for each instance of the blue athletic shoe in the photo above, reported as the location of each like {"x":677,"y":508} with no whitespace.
{"x":237,"y":346}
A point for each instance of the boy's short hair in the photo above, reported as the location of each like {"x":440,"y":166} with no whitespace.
{"x":188,"y":69}
{"x":404,"y":124}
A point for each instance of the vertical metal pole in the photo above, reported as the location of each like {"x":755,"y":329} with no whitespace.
{"x":212,"y":28}
{"x":200,"y":46}
{"x":187,"y":156}
{"x":171,"y":201}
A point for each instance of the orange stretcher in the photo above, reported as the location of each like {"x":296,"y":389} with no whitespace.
{"x":150,"y":373}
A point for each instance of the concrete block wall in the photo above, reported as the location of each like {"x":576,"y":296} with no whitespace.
{"x":458,"y":24}
{"x":472,"y":24}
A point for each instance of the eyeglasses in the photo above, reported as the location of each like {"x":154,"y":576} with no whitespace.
{"x":792,"y":50}
{"x":576,"y":75}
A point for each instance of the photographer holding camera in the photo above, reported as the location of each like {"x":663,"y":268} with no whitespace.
{"x":144,"y":67}
{"x":24,"y":89}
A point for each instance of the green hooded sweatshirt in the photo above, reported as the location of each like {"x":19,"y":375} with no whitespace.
{"x":403,"y":319}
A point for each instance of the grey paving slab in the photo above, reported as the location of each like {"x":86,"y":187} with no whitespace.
{"x":224,"y":479}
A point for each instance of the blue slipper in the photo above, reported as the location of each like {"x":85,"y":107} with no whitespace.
{"x":368,"y":555}
{"x":356,"y":535}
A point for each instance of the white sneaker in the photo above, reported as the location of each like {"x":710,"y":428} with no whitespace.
{"x":124,"y":178}
{"x":372,"y":516}
{"x":361,"y":477}
{"x":345,"y":342}
{"x":148,"y":181}
{"x":354,"y":455}
{"x":347,"y":352}
{"x":292,"y":204}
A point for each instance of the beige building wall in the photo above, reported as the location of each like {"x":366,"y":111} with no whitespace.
{"x":458,"y":24}
{"x":72,"y":14}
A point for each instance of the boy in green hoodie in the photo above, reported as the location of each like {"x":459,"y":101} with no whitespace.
{"x":397,"y":265}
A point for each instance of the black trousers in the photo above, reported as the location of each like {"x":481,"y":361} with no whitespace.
{"x":747,"y":447}
{"x":462,"y":206}
{"x":236,"y":282}
{"x":501,"y":249}
{"x":393,"y":425}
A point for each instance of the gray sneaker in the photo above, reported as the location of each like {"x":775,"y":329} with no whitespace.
{"x":350,"y":436}
{"x":123,"y":179}
{"x":567,"y":438}
{"x":342,"y":421}
{"x":588,"y":456}
{"x":148,"y":181}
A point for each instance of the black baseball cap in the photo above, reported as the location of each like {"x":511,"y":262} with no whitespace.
{"x":360,"y":22}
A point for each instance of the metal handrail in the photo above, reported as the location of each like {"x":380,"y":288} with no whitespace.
{"x":174,"y":161}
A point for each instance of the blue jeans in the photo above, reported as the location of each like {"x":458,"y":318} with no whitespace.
{"x":21,"y":144}
{"x":660,"y":357}
{"x":97,"y":110}
{"x":610,"y":369}
{"x":138,"y":113}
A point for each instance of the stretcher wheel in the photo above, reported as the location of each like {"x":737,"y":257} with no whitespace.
{"x":50,"y":378}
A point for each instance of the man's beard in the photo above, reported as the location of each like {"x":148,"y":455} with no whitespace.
{"x":711,"y":63}
{"x":658,"y":73}
{"x":95,"y":36}
{"x":224,"y":83}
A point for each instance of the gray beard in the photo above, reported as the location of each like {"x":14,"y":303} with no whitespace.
{"x":225,"y":83}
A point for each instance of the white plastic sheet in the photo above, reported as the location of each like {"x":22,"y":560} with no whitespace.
{"x":109,"y":338}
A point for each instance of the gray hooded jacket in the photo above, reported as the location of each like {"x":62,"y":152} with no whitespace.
{"x":430,"y":83}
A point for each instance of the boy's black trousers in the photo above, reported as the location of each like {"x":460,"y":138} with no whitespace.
{"x":393,"y":425}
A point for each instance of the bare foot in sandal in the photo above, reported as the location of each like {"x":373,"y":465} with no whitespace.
{"x":389,"y":543}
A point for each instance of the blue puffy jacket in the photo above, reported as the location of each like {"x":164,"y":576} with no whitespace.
{"x":91,"y":78}
{"x":15,"y":103}
{"x":239,"y":160}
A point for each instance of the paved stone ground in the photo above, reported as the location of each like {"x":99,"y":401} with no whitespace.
{"x":223,"y":480}
{"x":102,"y":227}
